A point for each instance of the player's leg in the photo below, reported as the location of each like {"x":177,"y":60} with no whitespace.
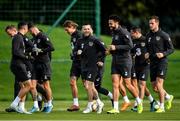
{"x":74,"y":75}
{"x":98,"y":86}
{"x":115,"y":81}
{"x":126,"y":102}
{"x":34,"y":95}
{"x":90,"y":94}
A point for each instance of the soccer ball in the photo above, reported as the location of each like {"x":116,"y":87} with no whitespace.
{"x":156,"y":106}
{"x":94,"y":106}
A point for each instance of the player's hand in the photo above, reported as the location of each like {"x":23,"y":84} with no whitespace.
{"x":37,"y":50}
{"x":146,"y":56}
{"x":100,"y":63}
{"x":160,"y":55}
{"x":79,"y":52}
{"x":107,"y":52}
{"x":111,"y":47}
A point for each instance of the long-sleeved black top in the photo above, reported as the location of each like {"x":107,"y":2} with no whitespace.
{"x":42,"y":42}
{"x":139,"y":50}
{"x":90,"y":47}
{"x":123,"y":44}
{"x":158,"y":42}
{"x":18,"y":49}
{"x":74,"y":38}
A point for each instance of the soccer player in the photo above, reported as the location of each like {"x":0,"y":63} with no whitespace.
{"x":42,"y":47}
{"x":141,"y":65}
{"x":18,"y":66}
{"x":71,"y":28}
{"x":121,"y":61}
{"x":159,"y":46}
{"x":88,"y":49}
{"x":12,"y":31}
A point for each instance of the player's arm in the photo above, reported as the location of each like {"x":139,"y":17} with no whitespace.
{"x":169,"y":46}
{"x":77,"y":49}
{"x":48,"y":45}
{"x":29,"y":46}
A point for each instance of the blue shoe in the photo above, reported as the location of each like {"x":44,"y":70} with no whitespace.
{"x":152,"y":106}
{"x":48,"y":109}
{"x":34,"y":109}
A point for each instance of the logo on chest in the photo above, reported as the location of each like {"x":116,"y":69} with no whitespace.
{"x":158,"y":38}
{"x":116,"y":37}
{"x":74,"y":39}
{"x":38,"y":41}
{"x":149,"y":39}
{"x":142,"y":44}
{"x":90,"y":44}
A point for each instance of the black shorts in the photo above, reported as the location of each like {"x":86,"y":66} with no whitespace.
{"x":142,"y":72}
{"x":133,"y":73}
{"x":89,"y":74}
{"x":75,"y":69}
{"x":158,"y":69}
{"x":42,"y":71}
{"x":20,"y":71}
{"x":30,"y":67}
{"x":124,"y":69}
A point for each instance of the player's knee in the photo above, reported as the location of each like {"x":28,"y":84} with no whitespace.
{"x":128,"y":84}
{"x":155,"y":89}
{"x":73,"y":83}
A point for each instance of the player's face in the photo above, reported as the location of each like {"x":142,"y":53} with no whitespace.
{"x":87,"y":30}
{"x":69,"y":30}
{"x":32,"y":31}
{"x":134,"y":34}
{"x":11,"y":32}
{"x":153,"y":25}
{"x":112,"y":24}
{"x":25,"y":28}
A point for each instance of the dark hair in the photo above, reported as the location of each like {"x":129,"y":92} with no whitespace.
{"x":136,"y":29}
{"x":21,"y":24}
{"x":69,"y":23}
{"x":115,"y":18}
{"x":30,"y":25}
{"x":155,"y":17}
{"x":9,"y":27}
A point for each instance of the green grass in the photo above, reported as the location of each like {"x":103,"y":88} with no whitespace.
{"x":59,"y":113}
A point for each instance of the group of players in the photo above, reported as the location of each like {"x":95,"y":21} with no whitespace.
{"x":30,"y":63}
{"x":133,"y":55}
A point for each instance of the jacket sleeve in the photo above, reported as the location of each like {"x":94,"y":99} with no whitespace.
{"x":101,"y":50}
{"x":168,"y":45}
{"x":48,"y":45}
